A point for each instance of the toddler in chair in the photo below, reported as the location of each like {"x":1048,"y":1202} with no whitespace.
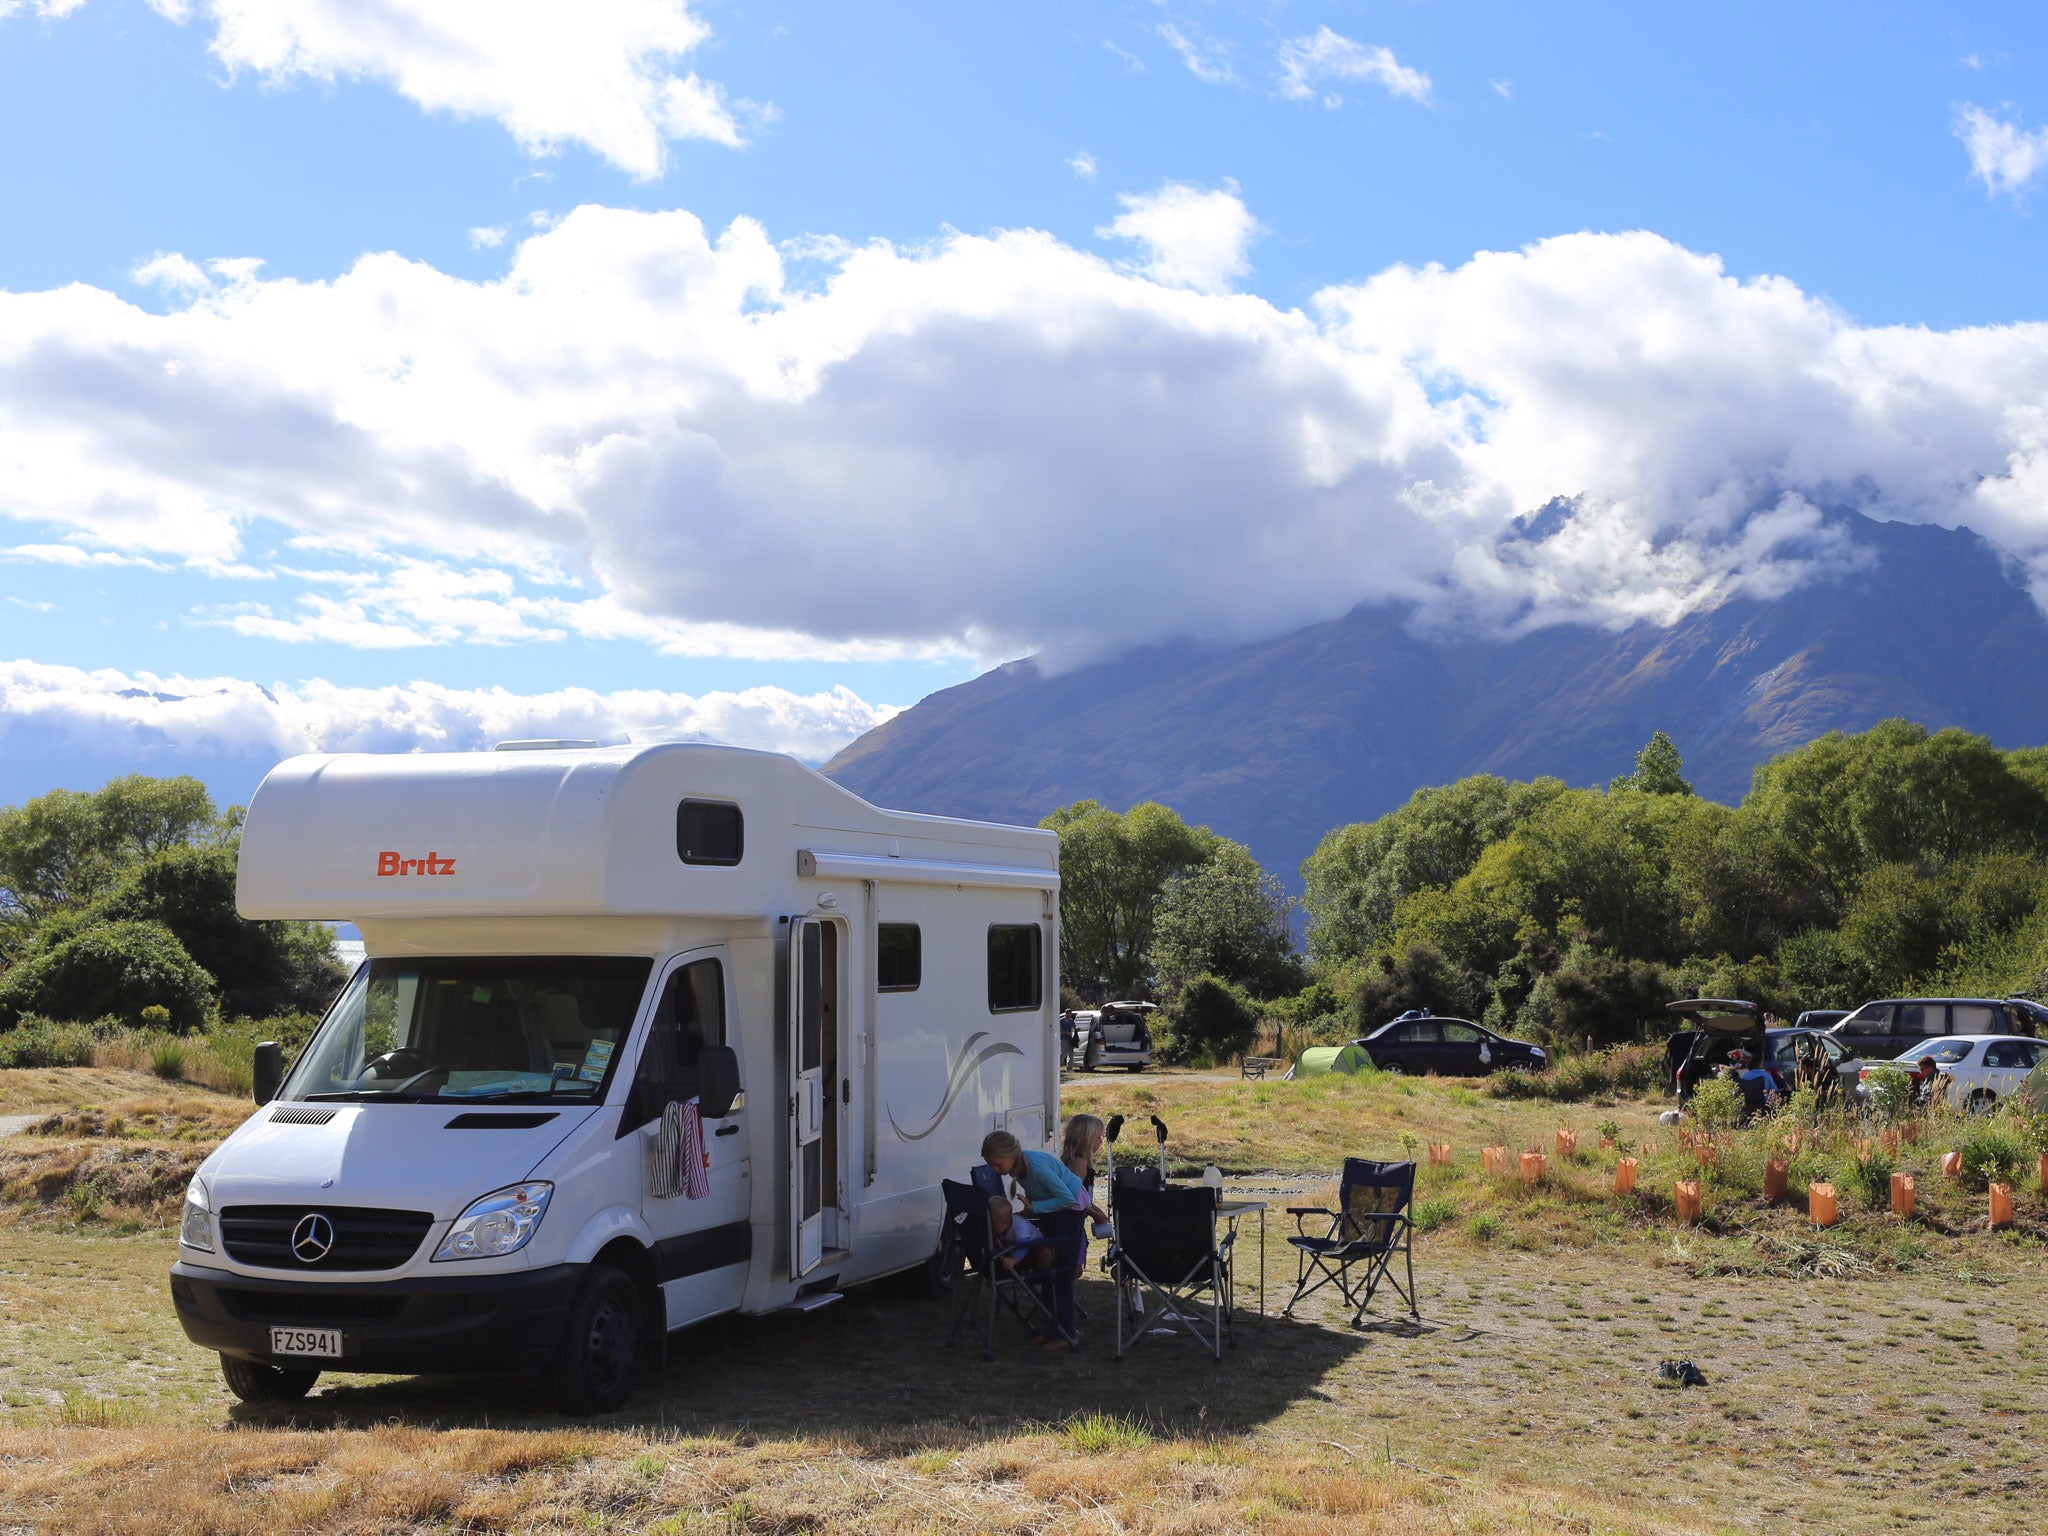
{"x":1016,"y":1239}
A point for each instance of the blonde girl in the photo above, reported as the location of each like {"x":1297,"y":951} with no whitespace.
{"x":1079,"y":1148}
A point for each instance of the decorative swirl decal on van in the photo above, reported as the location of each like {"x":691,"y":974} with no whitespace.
{"x":964,"y":1067}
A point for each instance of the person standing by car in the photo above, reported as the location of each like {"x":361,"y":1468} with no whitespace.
{"x":1066,"y":1036}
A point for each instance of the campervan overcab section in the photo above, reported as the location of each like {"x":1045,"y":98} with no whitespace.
{"x":644,"y":1035}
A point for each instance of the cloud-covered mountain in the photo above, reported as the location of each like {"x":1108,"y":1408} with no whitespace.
{"x":1274,"y":743}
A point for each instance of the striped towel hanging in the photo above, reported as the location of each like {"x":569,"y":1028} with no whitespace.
{"x":680,"y":1164}
{"x":667,"y":1177}
{"x":696,"y":1165}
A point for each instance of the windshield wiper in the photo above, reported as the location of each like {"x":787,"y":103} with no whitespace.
{"x":514,"y":1096}
{"x":364,"y":1096}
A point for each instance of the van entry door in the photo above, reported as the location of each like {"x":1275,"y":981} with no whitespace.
{"x":807,"y":986}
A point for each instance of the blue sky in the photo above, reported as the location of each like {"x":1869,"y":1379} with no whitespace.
{"x":1054,"y":328}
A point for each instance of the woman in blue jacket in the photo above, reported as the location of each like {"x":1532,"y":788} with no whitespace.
{"x":1057,"y":1202}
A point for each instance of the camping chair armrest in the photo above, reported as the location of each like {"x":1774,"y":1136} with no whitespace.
{"x":1301,"y":1213}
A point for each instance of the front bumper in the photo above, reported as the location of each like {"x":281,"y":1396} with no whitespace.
{"x":500,"y":1322}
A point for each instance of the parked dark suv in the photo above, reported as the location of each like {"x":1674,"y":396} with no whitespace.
{"x":1889,"y":1027}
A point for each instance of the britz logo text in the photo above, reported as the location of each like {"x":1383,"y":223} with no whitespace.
{"x":433,"y":864}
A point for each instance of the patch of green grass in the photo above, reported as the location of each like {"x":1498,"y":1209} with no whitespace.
{"x":1434,"y":1212}
{"x":1097,"y":1434}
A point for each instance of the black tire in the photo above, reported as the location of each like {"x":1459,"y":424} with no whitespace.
{"x":1982,"y":1102}
{"x":254,"y":1383}
{"x":1519,"y":1068}
{"x":599,"y":1363}
{"x":1395,"y":1068}
{"x":1136,"y":1066}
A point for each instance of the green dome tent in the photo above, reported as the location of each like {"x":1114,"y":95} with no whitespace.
{"x":1320,"y":1059}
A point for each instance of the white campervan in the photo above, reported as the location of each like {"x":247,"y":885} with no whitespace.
{"x":644,"y":1035}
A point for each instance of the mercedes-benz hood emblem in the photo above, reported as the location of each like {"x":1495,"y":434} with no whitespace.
{"x":312,"y":1238}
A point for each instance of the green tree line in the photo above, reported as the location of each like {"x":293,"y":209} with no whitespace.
{"x":122,"y":899}
{"x":1892,"y":860}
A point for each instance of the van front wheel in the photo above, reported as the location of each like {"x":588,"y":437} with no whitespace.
{"x":600,"y":1361}
{"x":254,"y":1383}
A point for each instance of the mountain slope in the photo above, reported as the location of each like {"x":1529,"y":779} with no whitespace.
{"x":1276,"y":742}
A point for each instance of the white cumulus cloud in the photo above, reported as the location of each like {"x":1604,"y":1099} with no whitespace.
{"x":997,"y":443}
{"x":2003,"y":155}
{"x":603,"y":74}
{"x":195,"y":719}
{"x":1310,"y":63}
{"x":1194,"y":238}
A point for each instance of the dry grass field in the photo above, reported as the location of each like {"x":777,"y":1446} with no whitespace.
{"x":1907,"y":1394}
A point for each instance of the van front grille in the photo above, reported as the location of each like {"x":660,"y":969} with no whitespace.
{"x":281,"y":1236}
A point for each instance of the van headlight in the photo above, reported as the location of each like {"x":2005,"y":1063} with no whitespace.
{"x":196,"y":1230}
{"x":498,"y":1224}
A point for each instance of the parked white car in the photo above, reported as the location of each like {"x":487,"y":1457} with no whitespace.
{"x":1981,"y":1069}
{"x":1117,"y":1036}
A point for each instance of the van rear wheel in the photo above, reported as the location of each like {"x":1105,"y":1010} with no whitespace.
{"x":254,"y":1383}
{"x":599,"y":1364}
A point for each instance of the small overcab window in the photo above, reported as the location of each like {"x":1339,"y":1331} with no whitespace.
{"x":1013,"y":967}
{"x":899,"y":957}
{"x":709,"y":832}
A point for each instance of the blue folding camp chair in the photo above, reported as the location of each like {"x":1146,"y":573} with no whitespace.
{"x":1371,"y":1225}
{"x":1014,"y":1291}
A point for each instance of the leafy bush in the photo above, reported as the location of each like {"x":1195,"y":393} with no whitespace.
{"x":1718,"y":1103}
{"x":1595,"y":995}
{"x":1891,"y":1092}
{"x":38,"y":1042}
{"x":1419,"y":977}
{"x":1211,"y":1019}
{"x":1993,"y":1148}
{"x":115,"y":969}
{"x":259,"y":966}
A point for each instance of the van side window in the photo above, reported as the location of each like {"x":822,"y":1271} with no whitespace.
{"x":899,"y":957}
{"x":1014,"y":971}
{"x":709,"y":832}
{"x":1870,"y":1019}
{"x":690,"y":1016}
{"x":1930,"y":1019}
{"x":1972,"y":1019}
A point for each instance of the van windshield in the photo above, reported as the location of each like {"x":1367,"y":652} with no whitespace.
{"x":474,"y":1028}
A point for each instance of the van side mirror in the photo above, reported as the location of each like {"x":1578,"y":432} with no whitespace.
{"x":719,"y":1092}
{"x":266,"y":1072}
